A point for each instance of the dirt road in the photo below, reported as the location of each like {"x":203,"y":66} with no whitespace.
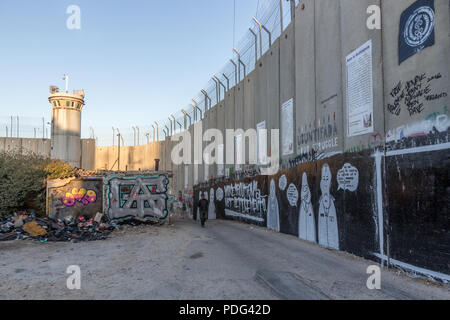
{"x":226,"y":260}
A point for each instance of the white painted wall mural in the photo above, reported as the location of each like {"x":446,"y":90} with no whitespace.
{"x":328,"y":227}
{"x":212,"y":206}
{"x":273,"y":216}
{"x":307,"y":222}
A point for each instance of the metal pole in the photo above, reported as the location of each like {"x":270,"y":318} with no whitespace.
{"x":292,"y":10}
{"x":174,"y":124}
{"x":207,"y":98}
{"x":157,"y":131}
{"x":118,"y":152}
{"x":17,"y":126}
{"x":7,"y":131}
{"x":186,"y":114}
{"x":281,"y":16}
{"x":148,"y":137}
{"x":43,"y":128}
{"x":171,"y":128}
{"x":11,"y":126}
{"x":228,"y":81}
{"x":235,"y":72}
{"x":260,"y":35}
{"x":221,"y":85}
{"x":256,"y":45}
{"x":154,"y":136}
{"x":138,"y":136}
{"x":239,"y":65}
{"x":217,"y":90}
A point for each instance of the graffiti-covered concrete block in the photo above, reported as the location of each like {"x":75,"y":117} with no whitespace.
{"x":143,"y":197}
{"x":74,"y":197}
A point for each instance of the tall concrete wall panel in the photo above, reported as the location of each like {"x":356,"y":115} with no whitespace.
{"x":40,"y":147}
{"x":287,"y":85}
{"x":329,"y":109}
{"x":249,"y":109}
{"x":355,"y":34}
{"x":415,"y":91}
{"x":229,"y":120}
{"x":88,"y":154}
{"x":305,"y":84}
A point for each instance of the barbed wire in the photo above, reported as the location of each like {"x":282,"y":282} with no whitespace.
{"x":270,"y":17}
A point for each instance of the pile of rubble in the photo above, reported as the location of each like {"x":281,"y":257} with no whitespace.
{"x":29,"y":226}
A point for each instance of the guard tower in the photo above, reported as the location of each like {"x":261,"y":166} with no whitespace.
{"x":66,"y":124}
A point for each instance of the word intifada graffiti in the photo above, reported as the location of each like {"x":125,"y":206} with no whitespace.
{"x":143,"y":197}
{"x":81,"y":196}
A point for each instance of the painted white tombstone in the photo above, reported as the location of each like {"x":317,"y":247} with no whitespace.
{"x":273,"y":216}
{"x":219,"y":194}
{"x":328,"y":227}
{"x":306,"y":223}
{"x":212,"y":207}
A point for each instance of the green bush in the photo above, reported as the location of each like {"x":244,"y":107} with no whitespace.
{"x":22,"y":181}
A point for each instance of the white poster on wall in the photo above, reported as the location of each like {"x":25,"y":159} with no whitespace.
{"x":287,"y":127}
{"x":360,"y":91}
{"x":262,"y":142}
{"x":220,"y":165}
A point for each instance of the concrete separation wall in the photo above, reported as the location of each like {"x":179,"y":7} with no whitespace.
{"x":366,"y":176}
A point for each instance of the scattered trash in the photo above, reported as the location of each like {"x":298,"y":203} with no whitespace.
{"x":43,"y":229}
{"x":28,"y":226}
{"x":34,"y":229}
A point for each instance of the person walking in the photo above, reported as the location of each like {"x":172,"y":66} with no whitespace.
{"x":203,"y":205}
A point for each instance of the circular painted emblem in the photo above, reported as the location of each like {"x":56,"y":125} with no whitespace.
{"x":419,"y":26}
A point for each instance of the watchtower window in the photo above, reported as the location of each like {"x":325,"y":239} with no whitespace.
{"x":67,"y":103}
{"x":54,"y":103}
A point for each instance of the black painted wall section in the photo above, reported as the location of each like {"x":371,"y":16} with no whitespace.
{"x":418,"y":189}
{"x":415,"y":203}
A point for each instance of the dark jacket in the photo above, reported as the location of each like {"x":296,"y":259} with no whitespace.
{"x":203,"y":205}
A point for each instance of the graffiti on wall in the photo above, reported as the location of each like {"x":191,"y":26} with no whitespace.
{"x":307,"y":221}
{"x":414,"y":94}
{"x":433,"y":130}
{"x":312,"y":141}
{"x":81,"y":196}
{"x":245,"y":200}
{"x":328,"y":227}
{"x":143,"y":197}
{"x":211,"y":207}
{"x":273,"y":214}
{"x":416,"y":29}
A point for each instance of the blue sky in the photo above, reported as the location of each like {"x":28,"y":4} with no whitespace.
{"x":138,"y":60}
